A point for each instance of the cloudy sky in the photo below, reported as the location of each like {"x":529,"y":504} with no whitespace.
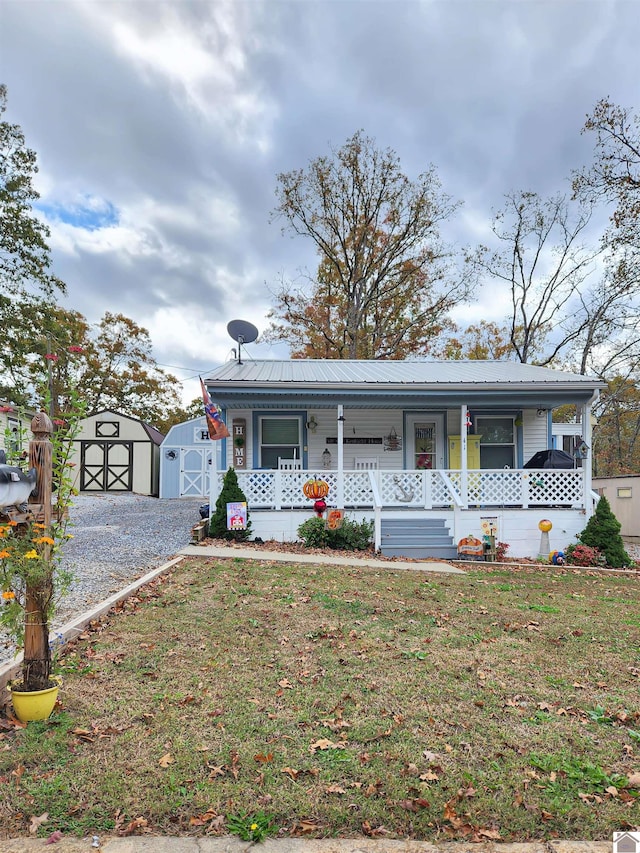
{"x":160,"y":128}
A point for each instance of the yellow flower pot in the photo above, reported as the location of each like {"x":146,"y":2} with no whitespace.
{"x":35,"y":704}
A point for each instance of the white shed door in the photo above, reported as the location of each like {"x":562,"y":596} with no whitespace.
{"x":195,"y":465}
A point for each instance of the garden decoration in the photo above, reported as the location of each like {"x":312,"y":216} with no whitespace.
{"x":544,"y":526}
{"x":317,"y":490}
{"x":31,"y":577}
{"x":15,"y":486}
{"x":556,"y":558}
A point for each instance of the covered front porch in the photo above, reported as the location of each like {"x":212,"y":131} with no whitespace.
{"x":430,"y":443}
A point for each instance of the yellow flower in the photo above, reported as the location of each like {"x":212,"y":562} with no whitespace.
{"x":254,"y":826}
{"x":8,"y":594}
{"x":31,"y":555}
{"x":39,"y":526}
{"x":4,"y":553}
{"x":44,"y":540}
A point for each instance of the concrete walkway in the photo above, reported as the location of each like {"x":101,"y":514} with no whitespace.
{"x":238,"y":552}
{"x":156,"y":844}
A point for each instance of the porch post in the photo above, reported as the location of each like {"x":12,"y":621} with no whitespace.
{"x":340,"y":456}
{"x":587,"y":464}
{"x":464,"y":479}
{"x":213,"y":475}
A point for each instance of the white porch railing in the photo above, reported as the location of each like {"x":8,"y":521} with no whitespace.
{"x":506,"y":487}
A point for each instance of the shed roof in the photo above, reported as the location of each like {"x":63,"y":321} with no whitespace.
{"x":392,"y":383}
{"x":154,"y":434}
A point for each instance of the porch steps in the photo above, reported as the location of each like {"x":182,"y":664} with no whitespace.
{"x":414,"y":537}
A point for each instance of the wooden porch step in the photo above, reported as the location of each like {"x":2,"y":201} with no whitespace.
{"x":417,"y":537}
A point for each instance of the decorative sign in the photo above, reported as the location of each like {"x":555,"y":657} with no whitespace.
{"x":237,"y":515}
{"x":239,"y":434}
{"x":356,"y":440}
{"x":392,"y":441}
{"x":334,"y":519}
{"x":489,"y":526}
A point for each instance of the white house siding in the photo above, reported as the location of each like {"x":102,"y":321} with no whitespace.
{"x":535,"y":433}
{"x":358,"y":424}
{"x":517,"y":528}
{"x":372,"y":423}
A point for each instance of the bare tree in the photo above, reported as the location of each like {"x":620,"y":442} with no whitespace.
{"x":382,"y":288}
{"x":545,"y":267}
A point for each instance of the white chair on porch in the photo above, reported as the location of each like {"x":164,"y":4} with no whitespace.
{"x":365,"y":463}
{"x":289,"y":464}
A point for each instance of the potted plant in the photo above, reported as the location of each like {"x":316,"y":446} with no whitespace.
{"x":32,"y":578}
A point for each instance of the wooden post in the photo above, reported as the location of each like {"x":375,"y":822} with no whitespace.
{"x":37,"y":655}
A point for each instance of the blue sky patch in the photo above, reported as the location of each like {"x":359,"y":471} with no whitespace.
{"x":88,"y":212}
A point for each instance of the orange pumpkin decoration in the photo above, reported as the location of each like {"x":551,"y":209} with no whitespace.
{"x":334,"y":519}
{"x":315,"y":489}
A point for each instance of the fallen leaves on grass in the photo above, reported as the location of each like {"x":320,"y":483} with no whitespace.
{"x":36,"y":822}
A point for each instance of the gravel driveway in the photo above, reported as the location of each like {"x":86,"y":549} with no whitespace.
{"x":116,"y":539}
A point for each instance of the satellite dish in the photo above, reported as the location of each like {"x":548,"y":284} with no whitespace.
{"x":243,"y":332}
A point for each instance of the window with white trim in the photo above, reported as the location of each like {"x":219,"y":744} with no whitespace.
{"x":498,"y":443}
{"x":279,"y":439}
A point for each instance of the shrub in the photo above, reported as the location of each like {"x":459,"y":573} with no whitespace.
{"x":603,"y":532}
{"x":582,"y":555}
{"x":352,"y":536}
{"x":230,"y":493}
{"x":501,"y":550}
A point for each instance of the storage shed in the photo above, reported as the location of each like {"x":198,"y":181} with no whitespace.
{"x":187,"y":456}
{"x":114,"y":452}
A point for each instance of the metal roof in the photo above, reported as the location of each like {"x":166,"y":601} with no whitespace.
{"x":394,"y":383}
{"x":338,"y":373}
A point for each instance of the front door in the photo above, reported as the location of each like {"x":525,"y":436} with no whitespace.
{"x":425,"y":441}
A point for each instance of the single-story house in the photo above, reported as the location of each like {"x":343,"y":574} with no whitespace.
{"x":114,"y":452}
{"x":187,"y":456}
{"x":623,"y":494}
{"x":432,"y":451}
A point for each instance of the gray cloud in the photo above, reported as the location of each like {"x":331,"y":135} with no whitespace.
{"x":181,"y":115}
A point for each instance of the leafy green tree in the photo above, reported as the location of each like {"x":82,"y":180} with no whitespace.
{"x":180,"y":414}
{"x":382,"y":289}
{"x":603,"y":532}
{"x":478,"y":342}
{"x":617,"y":435}
{"x":53,"y":350}
{"x":25,"y":257}
{"x":27,"y":285}
{"x":230,"y":493}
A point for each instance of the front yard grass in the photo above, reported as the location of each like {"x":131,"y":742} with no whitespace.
{"x":264,"y":698}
